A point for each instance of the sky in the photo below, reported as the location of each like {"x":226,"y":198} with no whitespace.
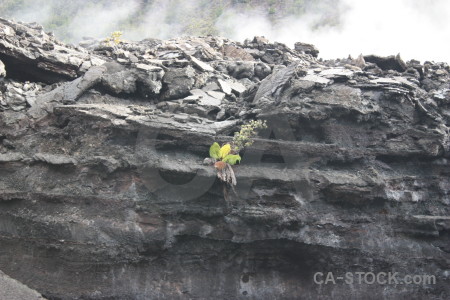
{"x":417,"y":29}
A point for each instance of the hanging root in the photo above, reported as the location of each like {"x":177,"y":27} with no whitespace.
{"x":226,"y":174}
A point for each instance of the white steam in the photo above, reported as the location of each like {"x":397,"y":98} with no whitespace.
{"x":414,"y":28}
{"x":162,"y":20}
{"x":97,"y":21}
{"x":37,"y":11}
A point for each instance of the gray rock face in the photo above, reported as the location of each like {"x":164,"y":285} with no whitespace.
{"x":11,"y":289}
{"x":105,"y":193}
{"x":178,"y":82}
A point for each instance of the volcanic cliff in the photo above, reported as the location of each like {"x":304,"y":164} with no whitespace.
{"x":104,"y":194}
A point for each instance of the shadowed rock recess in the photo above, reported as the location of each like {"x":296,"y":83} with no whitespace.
{"x":103,"y":194}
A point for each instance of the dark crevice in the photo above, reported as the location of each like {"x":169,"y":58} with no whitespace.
{"x":176,"y":178}
{"x":213,"y":113}
{"x":141,"y":93}
{"x":388,"y":159}
{"x":411,"y":158}
{"x":271,"y":158}
{"x":27,"y":71}
{"x":62,"y":122}
{"x":309,"y":131}
{"x":123,"y":137}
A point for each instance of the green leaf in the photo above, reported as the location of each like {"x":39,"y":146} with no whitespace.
{"x":232,"y":159}
{"x":224,"y":150}
{"x":214,"y":151}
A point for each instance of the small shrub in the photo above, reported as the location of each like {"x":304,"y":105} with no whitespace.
{"x":244,"y":138}
{"x":114,"y":38}
{"x":227,"y":155}
{"x":223,"y":161}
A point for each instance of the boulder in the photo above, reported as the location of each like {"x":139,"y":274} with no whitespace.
{"x":387,"y":62}
{"x":304,"y":48}
{"x":177,"y":82}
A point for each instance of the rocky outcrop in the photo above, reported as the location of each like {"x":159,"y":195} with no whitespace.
{"x":103,"y":193}
{"x":30,"y":53}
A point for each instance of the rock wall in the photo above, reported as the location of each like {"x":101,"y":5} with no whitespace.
{"x":103,"y":193}
{"x":11,"y":289}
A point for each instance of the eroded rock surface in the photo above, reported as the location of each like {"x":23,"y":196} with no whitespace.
{"x":103,"y":193}
{"x":11,"y":289}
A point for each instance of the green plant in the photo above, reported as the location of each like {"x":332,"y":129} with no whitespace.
{"x":244,"y":138}
{"x":114,"y":38}
{"x":223,"y":154}
{"x":223,"y":161}
{"x":227,"y":155}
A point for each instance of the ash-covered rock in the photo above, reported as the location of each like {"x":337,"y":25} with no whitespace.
{"x":104,"y":193}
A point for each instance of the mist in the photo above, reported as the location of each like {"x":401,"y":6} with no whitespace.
{"x":417,"y":29}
